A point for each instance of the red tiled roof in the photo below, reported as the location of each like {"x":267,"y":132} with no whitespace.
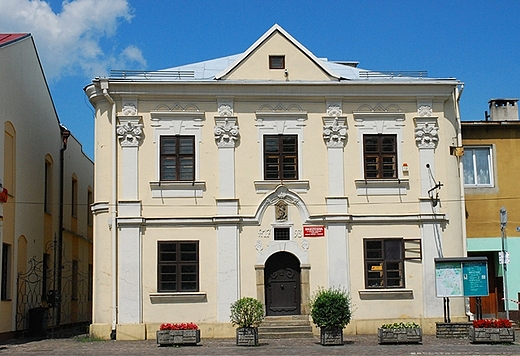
{"x":6,"y":38}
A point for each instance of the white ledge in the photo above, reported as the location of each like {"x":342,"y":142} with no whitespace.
{"x":382,"y":186}
{"x":180,"y":297}
{"x":184,"y":189}
{"x":385,"y":294}
{"x":264,"y":186}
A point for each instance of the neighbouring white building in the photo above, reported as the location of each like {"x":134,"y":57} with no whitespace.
{"x":269,"y":174}
{"x":46,"y":188}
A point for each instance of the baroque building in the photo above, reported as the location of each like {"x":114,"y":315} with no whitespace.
{"x":272,"y":173}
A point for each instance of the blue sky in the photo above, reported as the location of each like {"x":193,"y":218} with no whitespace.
{"x":474,"y":41}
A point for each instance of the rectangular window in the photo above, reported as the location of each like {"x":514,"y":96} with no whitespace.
{"x":47,"y":200}
{"x":74,"y":198}
{"x":281,"y":157}
{"x":178,"y":266}
{"x":90,"y":281}
{"x":5,"y":293}
{"x":380,"y":156}
{"x":90,"y":201}
{"x":282,"y":233}
{"x":177,"y":158}
{"x":478,"y":167}
{"x":45,"y":275}
{"x":276,"y":62}
{"x":384,"y":263}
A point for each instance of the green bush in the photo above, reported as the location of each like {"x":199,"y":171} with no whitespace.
{"x":331,"y":308}
{"x":401,"y":325}
{"x":247,"y":312}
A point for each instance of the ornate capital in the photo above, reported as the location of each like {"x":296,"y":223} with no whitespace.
{"x":129,"y":132}
{"x":334,"y":132}
{"x":226,"y":131}
{"x":426,"y":132}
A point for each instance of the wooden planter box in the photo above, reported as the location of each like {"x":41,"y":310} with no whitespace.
{"x":491,"y":335}
{"x":399,"y":336}
{"x":331,"y":336}
{"x":247,"y":337}
{"x":178,"y":337}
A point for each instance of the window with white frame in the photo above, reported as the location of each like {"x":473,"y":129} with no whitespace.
{"x":478,"y":166}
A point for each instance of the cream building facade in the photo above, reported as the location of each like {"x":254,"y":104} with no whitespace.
{"x":270,"y":174}
{"x":32,"y":214}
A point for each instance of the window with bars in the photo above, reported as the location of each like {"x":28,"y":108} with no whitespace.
{"x":282,"y":233}
{"x":177,"y":158}
{"x":178,"y":266}
{"x":380,"y":156}
{"x":281,"y":157}
{"x":384,"y":263}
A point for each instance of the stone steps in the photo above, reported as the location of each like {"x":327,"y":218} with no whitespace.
{"x":285,"y":327}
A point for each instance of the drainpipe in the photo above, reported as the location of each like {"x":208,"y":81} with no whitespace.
{"x":456,"y":100}
{"x":57,"y":296}
{"x":113,"y":206}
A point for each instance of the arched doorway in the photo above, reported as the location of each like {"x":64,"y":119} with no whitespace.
{"x":282,"y":284}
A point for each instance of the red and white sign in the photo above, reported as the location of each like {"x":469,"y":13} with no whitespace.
{"x":314,"y":231}
{"x":3,"y":195}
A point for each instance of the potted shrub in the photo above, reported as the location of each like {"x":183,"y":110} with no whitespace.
{"x":331,"y":311}
{"x":399,"y":333}
{"x":178,"y":334}
{"x":491,"y":331}
{"x":247,"y":313}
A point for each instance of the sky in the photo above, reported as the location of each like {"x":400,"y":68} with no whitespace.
{"x":474,"y":41}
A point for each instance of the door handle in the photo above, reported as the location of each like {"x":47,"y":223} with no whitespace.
{"x":281,"y":286}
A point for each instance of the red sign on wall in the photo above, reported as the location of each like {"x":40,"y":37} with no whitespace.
{"x":314,"y":231}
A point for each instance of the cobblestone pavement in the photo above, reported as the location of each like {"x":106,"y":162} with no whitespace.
{"x":354,"y":345}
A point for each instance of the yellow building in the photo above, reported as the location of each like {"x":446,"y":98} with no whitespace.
{"x":38,"y":198}
{"x":490,"y":169}
{"x":269,"y":174}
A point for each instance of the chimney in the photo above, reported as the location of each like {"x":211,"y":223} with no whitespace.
{"x":503,"y":109}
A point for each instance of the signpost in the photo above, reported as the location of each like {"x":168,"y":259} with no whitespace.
{"x":461,"y":277}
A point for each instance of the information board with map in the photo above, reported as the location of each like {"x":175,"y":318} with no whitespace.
{"x":461,"y":277}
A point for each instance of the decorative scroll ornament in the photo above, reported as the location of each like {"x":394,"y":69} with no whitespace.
{"x":226,"y":133}
{"x":334,"y":110}
{"x":225,"y":109}
{"x":129,"y":134}
{"x":426,"y":134}
{"x":425,"y":110}
{"x":305,"y":244}
{"x":334,"y":134}
{"x":129,"y":109}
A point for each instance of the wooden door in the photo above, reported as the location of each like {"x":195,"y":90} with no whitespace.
{"x":282,"y":284}
{"x":491,"y":304}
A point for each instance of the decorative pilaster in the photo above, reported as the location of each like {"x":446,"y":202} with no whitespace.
{"x":335,"y":137}
{"x":129,"y":132}
{"x":226,"y":133}
{"x":426,"y":135}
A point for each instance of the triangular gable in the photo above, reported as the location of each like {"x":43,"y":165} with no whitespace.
{"x":276,"y":29}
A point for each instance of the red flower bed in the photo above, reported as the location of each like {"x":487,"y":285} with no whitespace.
{"x":179,"y":326}
{"x":492,"y":323}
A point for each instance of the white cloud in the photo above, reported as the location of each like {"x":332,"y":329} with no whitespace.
{"x":70,"y":41}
